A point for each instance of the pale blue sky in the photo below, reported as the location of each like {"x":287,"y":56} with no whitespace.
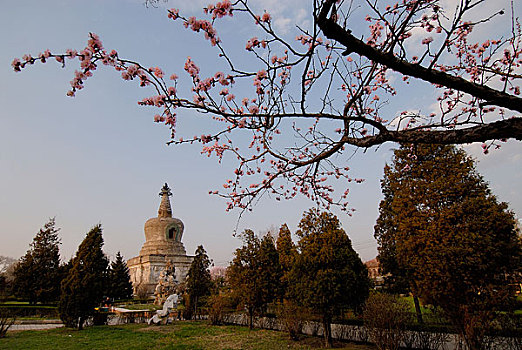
{"x":98,"y":157}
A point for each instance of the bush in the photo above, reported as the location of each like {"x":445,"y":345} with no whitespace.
{"x":99,"y":318}
{"x":216,"y":309}
{"x":6,"y":320}
{"x":292,"y":317}
{"x":386,"y":318}
{"x":142,"y":293}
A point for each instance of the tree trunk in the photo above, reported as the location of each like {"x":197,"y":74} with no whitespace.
{"x":327,"y":330}
{"x":195,"y":308}
{"x":80,"y":323}
{"x":418,"y":310}
{"x":251,"y":318}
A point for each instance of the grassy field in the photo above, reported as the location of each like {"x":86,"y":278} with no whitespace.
{"x":181,"y":335}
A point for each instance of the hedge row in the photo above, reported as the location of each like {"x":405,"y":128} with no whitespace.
{"x":31,"y":311}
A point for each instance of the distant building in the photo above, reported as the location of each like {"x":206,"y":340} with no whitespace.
{"x":218,"y":272}
{"x":162,"y":244}
{"x":374,"y":272}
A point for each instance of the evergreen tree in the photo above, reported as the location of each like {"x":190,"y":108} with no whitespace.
{"x":24,"y":281}
{"x":37,"y":275}
{"x":444,"y":231}
{"x":199,"y":282}
{"x":287,"y":252}
{"x":120,"y":286}
{"x":83,"y":288}
{"x":254,"y":273}
{"x":270,"y":272}
{"x":328,"y":276}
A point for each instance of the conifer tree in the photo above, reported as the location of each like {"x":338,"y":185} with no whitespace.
{"x":37,"y":275}
{"x":199,"y":282}
{"x":254,"y":273}
{"x":328,"y":276}
{"x":120,"y":286}
{"x":287,"y":252}
{"x":442,"y":229}
{"x":83,"y":288}
{"x":270,"y":272}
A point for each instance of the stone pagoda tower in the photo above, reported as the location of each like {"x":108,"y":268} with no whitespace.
{"x":162,"y":244}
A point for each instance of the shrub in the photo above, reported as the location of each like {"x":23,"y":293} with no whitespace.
{"x":386,"y":318}
{"x":142,"y":293}
{"x":216,"y":309}
{"x":292,"y":318}
{"x":6,"y":321}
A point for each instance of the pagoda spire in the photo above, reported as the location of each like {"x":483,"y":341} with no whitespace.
{"x":165,"y":210}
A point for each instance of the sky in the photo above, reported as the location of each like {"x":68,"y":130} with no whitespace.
{"x":99,"y":158}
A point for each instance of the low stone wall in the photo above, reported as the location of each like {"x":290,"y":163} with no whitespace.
{"x":354,"y":333}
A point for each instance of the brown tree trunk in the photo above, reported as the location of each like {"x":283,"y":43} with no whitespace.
{"x":195,"y":308}
{"x":251,"y":318}
{"x":418,"y":310}
{"x":327,"y":330}
{"x":80,"y":324}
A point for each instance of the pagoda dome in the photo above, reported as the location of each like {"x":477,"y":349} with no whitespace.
{"x":163,"y":233}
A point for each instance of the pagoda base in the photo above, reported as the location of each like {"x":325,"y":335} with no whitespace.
{"x":144,"y":270}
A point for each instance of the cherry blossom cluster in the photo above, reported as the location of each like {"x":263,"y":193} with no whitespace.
{"x":220,"y":9}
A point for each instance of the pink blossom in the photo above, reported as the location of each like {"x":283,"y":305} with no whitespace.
{"x":173,"y":13}
{"x":16,"y":64}
{"x":205,"y":138}
{"x":199,"y":100}
{"x":94,"y":43}
{"x":266,"y":17}
{"x":204,"y":85}
{"x":427,"y":40}
{"x":191,"y":68}
{"x":253,"y":109}
{"x":251,"y":43}
{"x":221,"y":9}
{"x":157,"y":71}
{"x":171,"y":90}
{"x":173,"y":76}
{"x":159,"y":100}
{"x":261,"y":74}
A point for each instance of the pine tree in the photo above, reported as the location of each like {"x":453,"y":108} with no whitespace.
{"x":328,"y":276}
{"x":270,"y":272}
{"x":120,"y":286}
{"x":287,"y":252}
{"x":37,"y":275}
{"x":254,"y":273}
{"x":83,"y":288}
{"x":448,"y":235}
{"x":199,"y":282}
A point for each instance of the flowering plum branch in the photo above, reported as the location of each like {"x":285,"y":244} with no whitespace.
{"x":311,"y":98}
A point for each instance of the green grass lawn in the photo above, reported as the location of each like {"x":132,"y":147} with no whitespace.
{"x":181,"y":335}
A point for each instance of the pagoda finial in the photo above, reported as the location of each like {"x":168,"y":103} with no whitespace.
{"x":165,"y":211}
